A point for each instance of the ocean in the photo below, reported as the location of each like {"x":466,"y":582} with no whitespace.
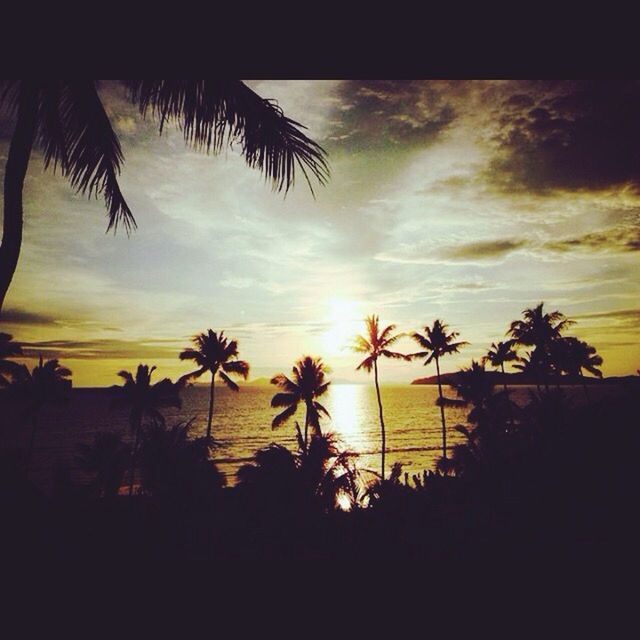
{"x":242,"y":424}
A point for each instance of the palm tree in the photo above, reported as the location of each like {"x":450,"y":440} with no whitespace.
{"x":376,"y":345}
{"x":539,"y":330}
{"x":144,"y":399}
{"x":438,"y":343}
{"x":218,"y":355}
{"x":46,"y":384}
{"x":500,"y":353}
{"x":67,"y":119}
{"x":306,"y":384}
{"x":8,"y":349}
{"x":578,"y":356}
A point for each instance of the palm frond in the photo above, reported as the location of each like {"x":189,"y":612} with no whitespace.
{"x":284,"y":399}
{"x":284,"y":416}
{"x":228,"y":381}
{"x":237,"y":367}
{"x":90,"y":155}
{"x":217,"y":113}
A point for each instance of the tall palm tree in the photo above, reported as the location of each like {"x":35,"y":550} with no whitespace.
{"x":375,"y":343}
{"x":539,"y":329}
{"x":8,"y":349}
{"x":438,"y":343}
{"x":306,"y":384}
{"x":67,"y":120}
{"x":47,"y":384}
{"x":219,"y":356}
{"x":144,"y":399}
{"x":498,"y":355}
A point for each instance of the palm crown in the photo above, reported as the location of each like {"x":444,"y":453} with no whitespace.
{"x":143,"y":398}
{"x":500,"y":353}
{"x":307,"y":383}
{"x":74,"y":131}
{"x":376,"y":343}
{"x":538,"y":329}
{"x":436,"y":342}
{"x":215,"y":353}
{"x":47,"y":383}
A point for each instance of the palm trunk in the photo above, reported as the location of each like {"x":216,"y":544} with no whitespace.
{"x":15,"y":171}
{"x":384,"y":435}
{"x":34,"y":428}
{"x":134,"y":453}
{"x":506,"y":391}
{"x":584,"y":386}
{"x":306,"y":428}
{"x":444,"y":426}
{"x":211,"y":396}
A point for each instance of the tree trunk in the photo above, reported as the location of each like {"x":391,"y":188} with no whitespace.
{"x":134,"y":453}
{"x":584,"y":386}
{"x":444,"y":426}
{"x":211,"y":396}
{"x":15,"y":171}
{"x":506,"y":391}
{"x":34,"y":428}
{"x":306,"y":429}
{"x":384,"y":435}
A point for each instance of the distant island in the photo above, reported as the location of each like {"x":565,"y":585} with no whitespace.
{"x":523,"y":379}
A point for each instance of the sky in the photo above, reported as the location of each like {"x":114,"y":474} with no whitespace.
{"x":467,"y":201}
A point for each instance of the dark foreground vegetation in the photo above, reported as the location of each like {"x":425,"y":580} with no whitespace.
{"x":555,"y":486}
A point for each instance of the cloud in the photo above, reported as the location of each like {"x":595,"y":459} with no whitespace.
{"x":568,"y":136}
{"x":380,"y":114}
{"x":102,"y":349}
{"x":483,"y":250}
{"x":28,"y":318}
{"x":616,"y":240}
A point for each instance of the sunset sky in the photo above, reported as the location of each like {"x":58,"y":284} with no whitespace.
{"x":461,"y":200}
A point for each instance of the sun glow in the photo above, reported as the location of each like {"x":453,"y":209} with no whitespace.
{"x":344,"y":323}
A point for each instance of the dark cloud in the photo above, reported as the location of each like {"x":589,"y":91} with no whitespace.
{"x":624,"y":315}
{"x":569,"y":136}
{"x":618,"y":240}
{"x":382,"y":114}
{"x":28,"y":318}
{"x":99,"y":349}
{"x":483,"y":250}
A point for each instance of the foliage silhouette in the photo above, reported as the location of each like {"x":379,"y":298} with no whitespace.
{"x":539,"y":330}
{"x":176,"y":469}
{"x":106,"y":459}
{"x":219,"y":356}
{"x":47,"y":384}
{"x":143,"y":400}
{"x":8,"y":349}
{"x":306,"y":384}
{"x":437,"y":343}
{"x":66,"y":118}
{"x":376,"y":345}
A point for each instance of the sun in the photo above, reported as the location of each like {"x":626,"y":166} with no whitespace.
{"x":344,"y":322}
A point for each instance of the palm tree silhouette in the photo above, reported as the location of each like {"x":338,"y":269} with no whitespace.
{"x":579,"y":355}
{"x":218,"y":355}
{"x":46,"y":384}
{"x":143,"y":399}
{"x":67,"y":119}
{"x":436,"y":344}
{"x":376,"y":345}
{"x":539,"y":330}
{"x":306,"y":384}
{"x":8,"y":349}
{"x":106,"y":458}
{"x":500,"y":353}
